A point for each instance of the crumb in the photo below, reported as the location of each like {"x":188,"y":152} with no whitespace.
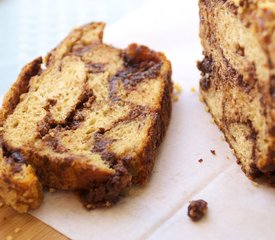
{"x":207,"y":109}
{"x":213,"y":152}
{"x":17,"y":230}
{"x":9,"y":237}
{"x":177,"y":88}
{"x":201,"y":99}
{"x":193,"y":89}
{"x":200,"y":160}
{"x":52,"y":190}
{"x":177,"y":91}
{"x":255,"y":184}
{"x":227,"y":158}
{"x":1,"y":204}
{"x":175,"y":98}
{"x":89,"y":206}
{"x":197,"y":209}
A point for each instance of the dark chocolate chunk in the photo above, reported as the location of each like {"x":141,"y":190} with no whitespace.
{"x":206,"y":65}
{"x":197,"y":209}
{"x":18,"y":157}
{"x":205,"y":83}
{"x":213,"y":152}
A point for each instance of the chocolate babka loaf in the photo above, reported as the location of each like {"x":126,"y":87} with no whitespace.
{"x":90,"y":120}
{"x":238,"y":78}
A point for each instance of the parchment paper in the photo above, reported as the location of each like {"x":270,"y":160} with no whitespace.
{"x":237,"y":208}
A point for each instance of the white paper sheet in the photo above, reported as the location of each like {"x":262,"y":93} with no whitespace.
{"x":237,"y":209}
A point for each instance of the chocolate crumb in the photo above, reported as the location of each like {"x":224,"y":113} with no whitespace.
{"x":200,"y":160}
{"x":197,"y":209}
{"x":213,"y":152}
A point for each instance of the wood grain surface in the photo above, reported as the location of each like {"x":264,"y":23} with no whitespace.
{"x":14,"y":226}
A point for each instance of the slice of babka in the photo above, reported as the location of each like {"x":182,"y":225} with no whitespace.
{"x":238,"y":77}
{"x":90,"y":121}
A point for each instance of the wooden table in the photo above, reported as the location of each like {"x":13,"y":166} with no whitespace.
{"x":15,"y":226}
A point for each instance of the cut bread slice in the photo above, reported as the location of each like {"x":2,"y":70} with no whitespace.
{"x":19,"y":184}
{"x":238,"y":74}
{"x":90,"y":122}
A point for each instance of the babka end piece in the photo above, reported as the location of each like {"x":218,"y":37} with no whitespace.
{"x":237,"y":81}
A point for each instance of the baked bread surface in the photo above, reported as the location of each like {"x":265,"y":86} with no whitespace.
{"x":90,"y":121}
{"x":238,"y":78}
